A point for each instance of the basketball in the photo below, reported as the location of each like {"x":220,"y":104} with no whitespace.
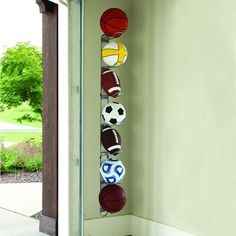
{"x":112,"y":198}
{"x":114,"y":53}
{"x":114,"y":22}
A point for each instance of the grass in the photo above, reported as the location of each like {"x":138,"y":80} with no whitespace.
{"x":26,"y":154}
{"x":16,"y":137}
{"x":11,"y":116}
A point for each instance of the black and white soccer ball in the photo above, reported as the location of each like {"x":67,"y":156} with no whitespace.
{"x":113,"y":113}
{"x":112,"y":171}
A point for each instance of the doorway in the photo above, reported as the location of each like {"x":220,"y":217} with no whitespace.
{"x":49,"y":196}
{"x":20,"y":117}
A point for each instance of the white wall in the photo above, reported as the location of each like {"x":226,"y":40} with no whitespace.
{"x":63,"y":124}
{"x":183,"y":89}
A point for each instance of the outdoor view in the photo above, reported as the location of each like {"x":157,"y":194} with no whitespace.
{"x":20,"y":110}
{"x":20,"y":116}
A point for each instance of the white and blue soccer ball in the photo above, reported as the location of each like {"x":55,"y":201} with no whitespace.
{"x":112,"y":171}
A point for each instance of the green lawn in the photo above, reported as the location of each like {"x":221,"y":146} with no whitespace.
{"x":11,"y":115}
{"x":16,"y":137}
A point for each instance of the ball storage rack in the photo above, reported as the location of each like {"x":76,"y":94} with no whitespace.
{"x":104,"y":100}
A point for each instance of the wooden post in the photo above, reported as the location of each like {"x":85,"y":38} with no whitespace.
{"x":49,"y":217}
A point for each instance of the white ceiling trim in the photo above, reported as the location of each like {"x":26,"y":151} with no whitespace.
{"x":64,"y":2}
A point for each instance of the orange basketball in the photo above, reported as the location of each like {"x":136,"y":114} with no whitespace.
{"x":112,"y":198}
{"x":114,"y":22}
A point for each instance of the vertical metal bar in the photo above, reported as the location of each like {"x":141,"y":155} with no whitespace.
{"x":81,"y":159}
{"x":104,"y":100}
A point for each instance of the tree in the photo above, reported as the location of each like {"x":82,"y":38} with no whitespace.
{"x":21,"y":78}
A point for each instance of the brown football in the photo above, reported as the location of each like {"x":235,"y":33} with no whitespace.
{"x":111,"y":140}
{"x":111,"y":83}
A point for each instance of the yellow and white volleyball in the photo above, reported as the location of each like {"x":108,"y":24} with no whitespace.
{"x":114,"y":53}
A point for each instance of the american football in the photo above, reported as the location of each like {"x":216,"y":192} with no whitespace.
{"x":111,"y":83}
{"x":111,"y":140}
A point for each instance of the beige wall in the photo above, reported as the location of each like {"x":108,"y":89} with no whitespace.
{"x":93,"y":12}
{"x":182,"y":114}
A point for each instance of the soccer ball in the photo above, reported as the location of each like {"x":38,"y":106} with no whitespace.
{"x":112,"y":171}
{"x":113,"y":113}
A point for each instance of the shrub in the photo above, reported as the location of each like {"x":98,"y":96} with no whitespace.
{"x":7,"y":162}
{"x":34,"y":164}
{"x":23,"y":156}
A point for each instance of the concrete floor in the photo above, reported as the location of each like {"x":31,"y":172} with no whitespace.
{"x":17,"y":203}
{"x":24,"y":198}
{"x":13,"y":224}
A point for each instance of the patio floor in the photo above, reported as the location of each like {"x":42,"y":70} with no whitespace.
{"x":18,"y":202}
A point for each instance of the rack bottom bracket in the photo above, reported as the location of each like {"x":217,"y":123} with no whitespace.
{"x":103,"y":213}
